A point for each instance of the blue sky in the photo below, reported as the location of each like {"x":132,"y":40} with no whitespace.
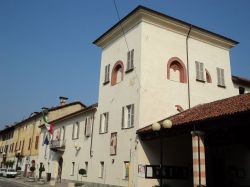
{"x":46,"y":48}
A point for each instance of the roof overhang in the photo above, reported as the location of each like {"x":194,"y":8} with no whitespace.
{"x":143,"y":14}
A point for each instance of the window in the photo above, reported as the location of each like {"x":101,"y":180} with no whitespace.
{"x":125,"y":170}
{"x":36,"y":143}
{"x":117,"y":73}
{"x":128,"y":116}
{"x":101,"y":170}
{"x":104,"y":119}
{"x":220,"y":77}
{"x":29,"y":147}
{"x":199,"y":71}
{"x":130,"y":61}
{"x":86,"y":168}
{"x":73,"y":168}
{"x":106,"y":75}
{"x":241,"y":90}
{"x":62,"y":133}
{"x":176,"y":70}
{"x":88,"y":123}
{"x":75,"y":132}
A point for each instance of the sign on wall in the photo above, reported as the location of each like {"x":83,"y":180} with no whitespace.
{"x":141,"y":170}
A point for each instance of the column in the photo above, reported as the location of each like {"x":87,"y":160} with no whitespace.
{"x":199,"y":164}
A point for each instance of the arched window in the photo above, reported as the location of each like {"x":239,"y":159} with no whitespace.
{"x":208,"y":76}
{"x":117,"y":73}
{"x":176,"y":70}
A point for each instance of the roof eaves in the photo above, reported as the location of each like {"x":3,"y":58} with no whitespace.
{"x":165,"y":16}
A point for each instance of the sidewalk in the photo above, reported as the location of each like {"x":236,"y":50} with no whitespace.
{"x":23,"y":181}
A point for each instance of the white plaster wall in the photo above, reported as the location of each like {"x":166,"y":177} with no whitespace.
{"x":159,"y":95}
{"x":70,"y":154}
{"x":112,"y":99}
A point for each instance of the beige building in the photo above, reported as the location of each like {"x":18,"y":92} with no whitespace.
{"x":165,"y":66}
{"x":23,"y":143}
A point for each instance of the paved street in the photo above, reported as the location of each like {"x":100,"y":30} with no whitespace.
{"x":4,"y":183}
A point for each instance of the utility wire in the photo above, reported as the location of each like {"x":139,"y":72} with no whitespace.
{"x":118,"y":16}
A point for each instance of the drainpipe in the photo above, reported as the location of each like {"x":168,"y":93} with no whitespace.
{"x":190,"y":27}
{"x":91,"y":142}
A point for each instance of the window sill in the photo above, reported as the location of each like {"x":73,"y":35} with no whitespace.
{"x":129,"y":70}
{"x":75,"y":138}
{"x":106,"y":82}
{"x":103,"y":132}
{"x":221,"y":86}
{"x":202,"y":81}
{"x":124,"y":128}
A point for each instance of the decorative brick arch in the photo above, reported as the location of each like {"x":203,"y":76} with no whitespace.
{"x":177,"y":65}
{"x":117,"y":67}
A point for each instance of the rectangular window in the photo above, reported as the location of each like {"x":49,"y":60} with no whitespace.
{"x":199,"y":71}
{"x":75,"y":132}
{"x":104,"y":119}
{"x":101,"y":170}
{"x":220,"y":77}
{"x":128,"y":116}
{"x":29,"y":144}
{"x":88,"y":123}
{"x":106,"y":75}
{"x":36,"y":143}
{"x":73,"y":168}
{"x":86,"y":168}
{"x":125,"y":170}
{"x":130,"y":60}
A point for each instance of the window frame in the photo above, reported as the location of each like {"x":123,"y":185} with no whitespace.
{"x":106,"y":123}
{"x":130,"y":61}
{"x":101,"y":170}
{"x":128,"y":116}
{"x":73,"y":130}
{"x":199,"y":67}
{"x":125,"y":172}
{"x":106,"y":74}
{"x":220,"y":77}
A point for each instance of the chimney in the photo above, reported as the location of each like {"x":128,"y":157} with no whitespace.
{"x":63,"y":100}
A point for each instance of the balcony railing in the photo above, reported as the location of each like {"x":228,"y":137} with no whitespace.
{"x":57,"y":144}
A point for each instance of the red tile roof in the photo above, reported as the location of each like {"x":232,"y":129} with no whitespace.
{"x":216,"y":109}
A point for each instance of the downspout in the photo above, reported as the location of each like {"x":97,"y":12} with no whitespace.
{"x":190,"y":27}
{"x":91,"y":142}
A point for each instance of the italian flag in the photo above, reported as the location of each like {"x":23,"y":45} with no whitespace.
{"x":49,"y":127}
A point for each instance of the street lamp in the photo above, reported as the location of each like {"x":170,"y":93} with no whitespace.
{"x":166,"y":124}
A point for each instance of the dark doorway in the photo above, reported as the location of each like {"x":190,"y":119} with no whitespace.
{"x":228,"y":157}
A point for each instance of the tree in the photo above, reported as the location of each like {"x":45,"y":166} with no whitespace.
{"x":82,"y":172}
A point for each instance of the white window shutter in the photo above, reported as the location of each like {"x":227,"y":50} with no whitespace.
{"x":201,"y":71}
{"x":73,"y":131}
{"x":218,"y":76}
{"x":222,"y":77}
{"x":100,"y":128}
{"x":122,"y":117}
{"x":132,"y":59}
{"x":128,"y":60}
{"x":132,"y":115}
{"x":106,"y":122}
{"x":197,"y":70}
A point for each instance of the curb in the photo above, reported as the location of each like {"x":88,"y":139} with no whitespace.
{"x":24,"y":183}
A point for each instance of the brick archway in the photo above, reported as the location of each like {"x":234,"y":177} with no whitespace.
{"x":176,"y":64}
{"x":118,"y":67}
